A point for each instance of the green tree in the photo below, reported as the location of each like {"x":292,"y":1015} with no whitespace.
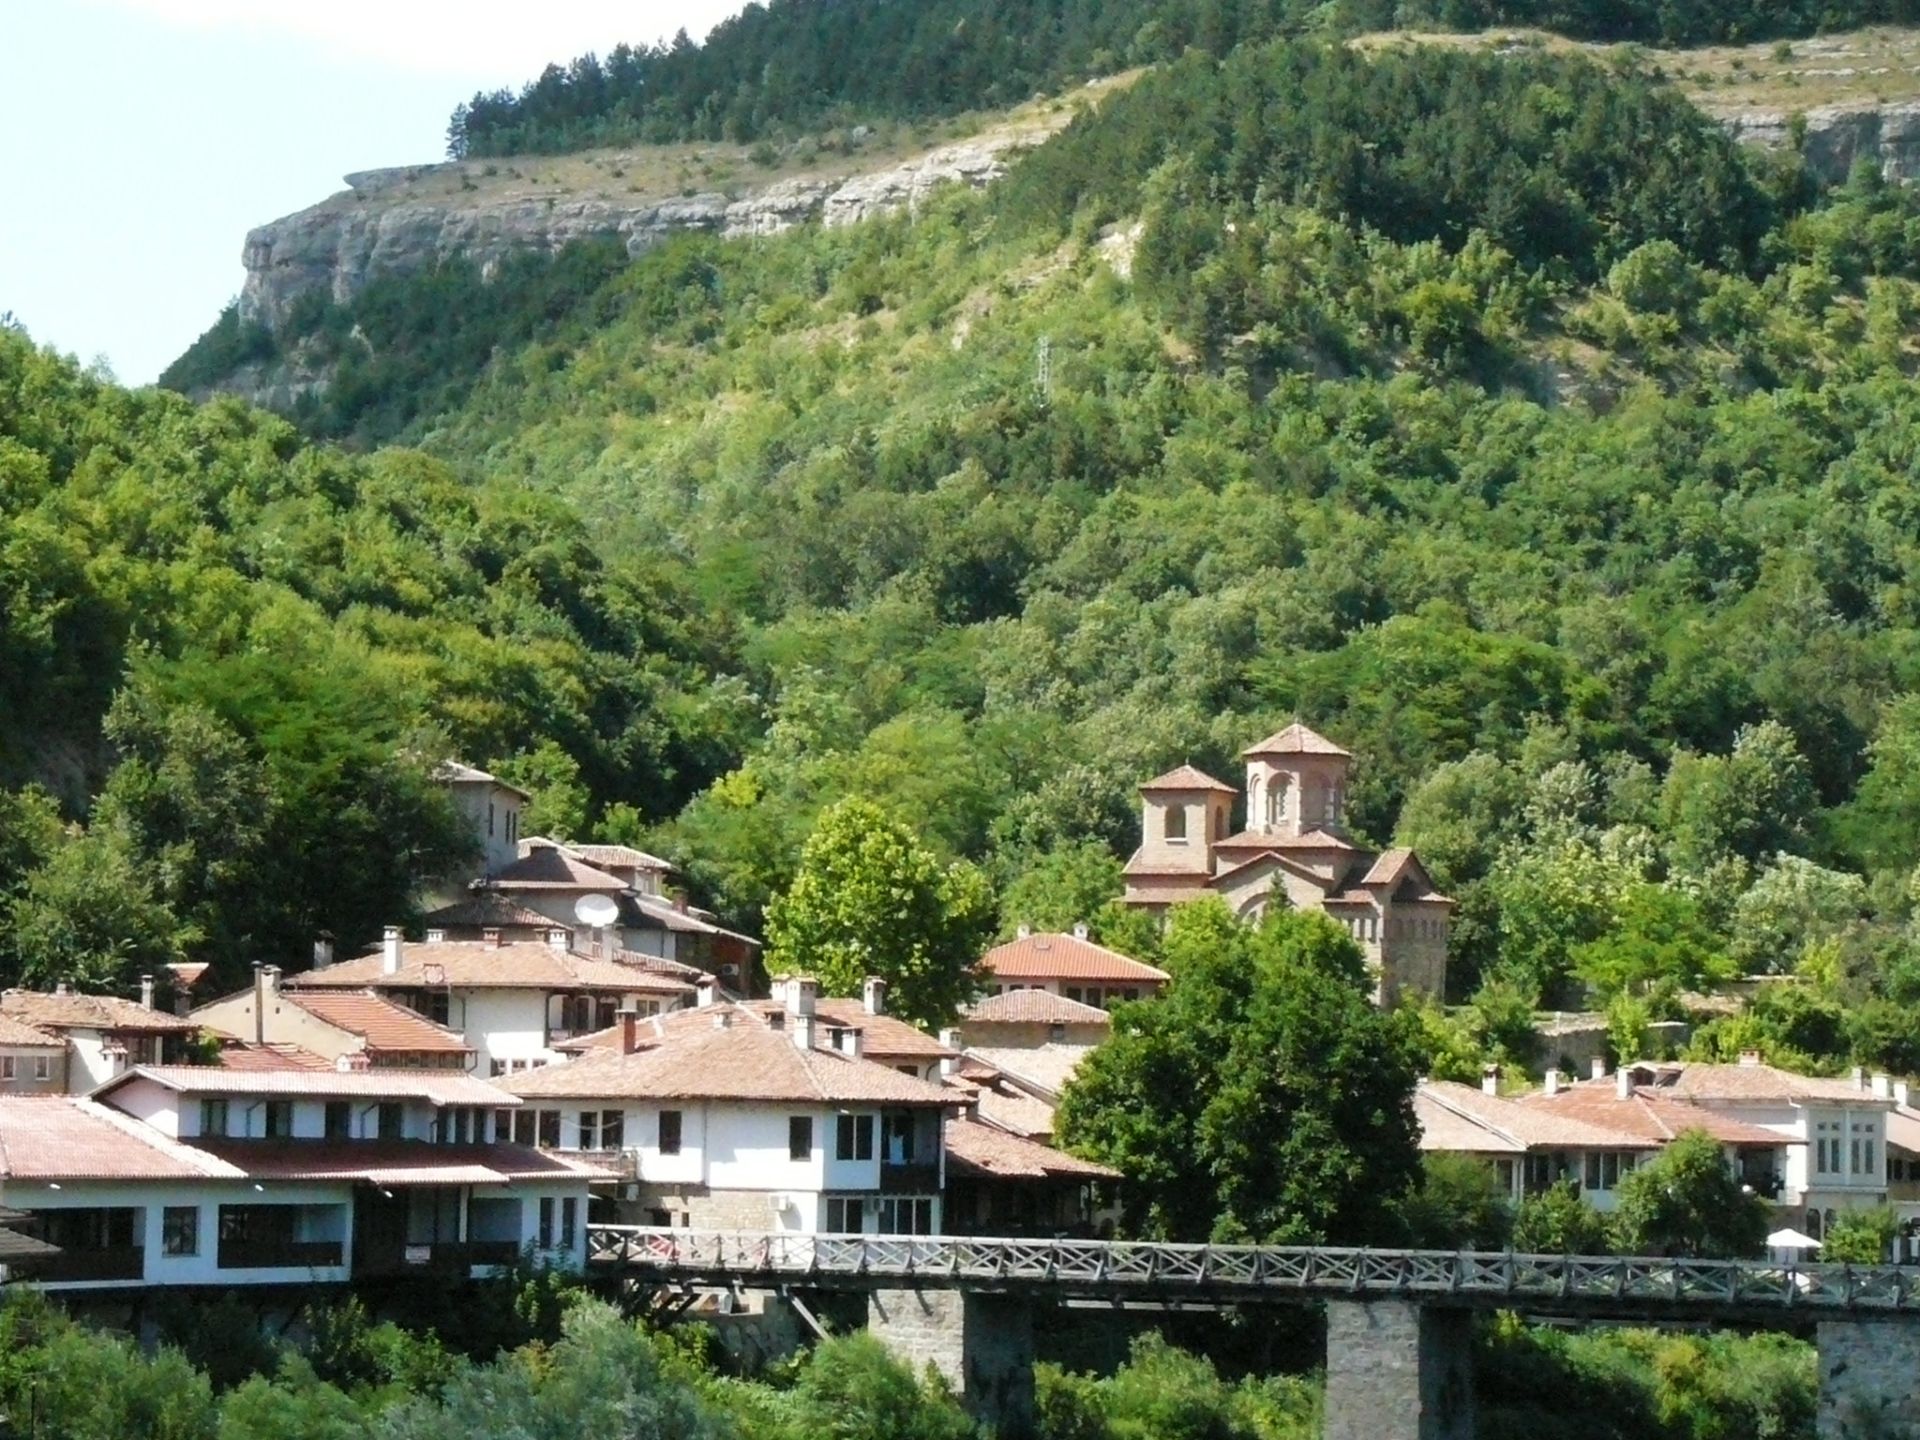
{"x":852,"y":1389}
{"x":1557,"y":1221}
{"x":1458,"y":1204}
{"x":1687,"y":1201}
{"x":551,"y":776}
{"x":1658,"y":938}
{"x":1071,"y":885}
{"x":1260,"y":1095}
{"x":870,"y":899}
{"x":1861,"y":1237}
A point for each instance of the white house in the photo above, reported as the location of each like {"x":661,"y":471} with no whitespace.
{"x":1070,"y":966}
{"x":335,"y":1024}
{"x":195,"y":1175}
{"x":32,"y":1061}
{"x":99,"y":1035}
{"x":511,"y":1001}
{"x":491,"y":808}
{"x":736,"y":1117}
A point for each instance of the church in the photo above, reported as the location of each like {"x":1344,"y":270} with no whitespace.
{"x":1292,"y":847}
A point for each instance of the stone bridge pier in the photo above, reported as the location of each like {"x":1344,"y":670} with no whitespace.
{"x":1398,"y":1370}
{"x":981,"y":1343}
{"x":1869,"y":1379}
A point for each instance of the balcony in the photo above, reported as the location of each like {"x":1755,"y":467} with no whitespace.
{"x":909,"y":1179}
{"x":112,"y":1262}
{"x":445,"y":1257}
{"x":280,"y":1255}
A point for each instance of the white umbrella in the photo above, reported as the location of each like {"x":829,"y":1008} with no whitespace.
{"x":1791,"y":1239}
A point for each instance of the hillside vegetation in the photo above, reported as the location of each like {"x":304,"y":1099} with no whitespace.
{"x":1566,"y":478}
{"x":786,"y":67}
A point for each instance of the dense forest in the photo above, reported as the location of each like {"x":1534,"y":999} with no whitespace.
{"x":780,"y":69}
{"x":1496,"y":415}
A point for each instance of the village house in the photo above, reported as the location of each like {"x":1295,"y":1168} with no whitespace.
{"x":491,"y":808}
{"x":1071,"y":966}
{"x":335,"y":1025}
{"x":98,"y":1037}
{"x":732,"y":1116}
{"x":32,"y":1062}
{"x":1292,"y":848}
{"x":198,"y":1175}
{"x":511,"y":1002}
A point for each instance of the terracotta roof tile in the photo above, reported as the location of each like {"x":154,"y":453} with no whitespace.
{"x":452,"y":772}
{"x":1648,"y":1119}
{"x":17,"y":1034}
{"x":1034,"y":1007}
{"x":1296,"y":739}
{"x":484,"y":908}
{"x":1262,"y":840}
{"x":436,"y":1087}
{"x":64,"y":1138}
{"x":1040,"y":1067}
{"x":1186,"y":777}
{"x":1511,"y":1125}
{"x":1703,"y":1082}
{"x":882,"y":1037}
{"x":548,"y":867}
{"x":478,"y":965}
{"x":385,"y":1026}
{"x":982,"y":1151}
{"x":86,"y":1012}
{"x":724,"y":1052}
{"x":273,"y":1055}
{"x":1065,"y":957}
{"x":623,"y":856}
{"x":397,"y":1162}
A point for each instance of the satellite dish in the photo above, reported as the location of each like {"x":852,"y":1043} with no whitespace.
{"x":596,"y":910}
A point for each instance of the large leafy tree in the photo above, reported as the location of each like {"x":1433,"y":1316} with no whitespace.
{"x":1687,"y":1201}
{"x":1261,"y":1096}
{"x":870,"y":899}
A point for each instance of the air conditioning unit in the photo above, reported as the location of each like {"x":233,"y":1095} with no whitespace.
{"x":780,"y":1203}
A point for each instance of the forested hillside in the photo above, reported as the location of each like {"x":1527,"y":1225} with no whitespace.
{"x":1496,"y":415}
{"x":779,"y":69}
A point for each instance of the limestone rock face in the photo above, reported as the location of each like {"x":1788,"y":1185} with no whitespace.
{"x":376,"y":228}
{"x":1838,"y":135}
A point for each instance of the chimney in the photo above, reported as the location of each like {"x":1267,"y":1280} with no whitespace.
{"x":436,"y":937}
{"x":680,"y":901}
{"x":874,"y":994}
{"x":322,"y":950}
{"x":950,"y":1064}
{"x":557,"y":937}
{"x":1749,"y":1057}
{"x":490,"y":936}
{"x":1882,"y":1087}
{"x":1553,"y":1082}
{"x":146,"y":992}
{"x":1080,"y":930}
{"x":1024,"y":932}
{"x":722,"y":1019}
{"x":63,"y":988}
{"x":1599,"y":1067}
{"x":1859,"y":1078}
{"x":1490,"y":1079}
{"x":629,"y":1027}
{"x":353,"y":1062}
{"x":847,"y":1040}
{"x":266,"y":980}
{"x":390,"y":950}
{"x":1900,"y":1093}
{"x":706,"y":992}
{"x":1623,"y":1083}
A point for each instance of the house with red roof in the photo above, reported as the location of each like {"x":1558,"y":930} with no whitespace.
{"x":1293,"y":849}
{"x":1072,"y":967}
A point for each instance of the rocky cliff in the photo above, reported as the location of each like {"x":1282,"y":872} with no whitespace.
{"x":1833,"y":137}
{"x":402,"y":219}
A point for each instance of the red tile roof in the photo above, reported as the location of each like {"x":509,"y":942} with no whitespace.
{"x":397,"y":1162}
{"x":1261,"y":840}
{"x":436,"y":1087}
{"x":385,"y":1026}
{"x":623,"y":856}
{"x":58,"y":1137}
{"x":478,"y":965}
{"x":274,"y":1055}
{"x":483,"y":908}
{"x":882,"y":1037}
{"x":724,"y":1052}
{"x":1650,"y":1119}
{"x":87,"y":1012}
{"x":983,"y":1152}
{"x":1734,"y":1083}
{"x":1065,"y":957}
{"x":547,"y":867}
{"x":18,"y":1035}
{"x":1036,"y":1007}
{"x":1296,"y":739}
{"x":1186,"y":778}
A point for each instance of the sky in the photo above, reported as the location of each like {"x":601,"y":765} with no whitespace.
{"x":141,"y":139}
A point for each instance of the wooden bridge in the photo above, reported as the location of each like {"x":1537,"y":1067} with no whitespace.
{"x":1398,"y":1346}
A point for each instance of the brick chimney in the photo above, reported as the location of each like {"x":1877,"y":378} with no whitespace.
{"x":629,"y":1027}
{"x":848,"y":1040}
{"x":1900,"y":1093}
{"x":874,"y":995}
{"x":1749,"y":1057}
{"x":390,"y":950}
{"x":266,"y":984}
{"x":63,"y":987}
{"x":1882,"y":1087}
{"x":146,"y":992}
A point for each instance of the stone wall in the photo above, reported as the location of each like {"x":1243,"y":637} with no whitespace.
{"x":982,"y":1344}
{"x":705,"y":1209}
{"x":1868,"y":1386}
{"x":1398,"y":1370}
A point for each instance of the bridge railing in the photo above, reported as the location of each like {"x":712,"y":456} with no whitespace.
{"x":1154,"y":1270}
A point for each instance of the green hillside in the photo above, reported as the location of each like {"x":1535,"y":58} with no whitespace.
{"x":1493,"y":414}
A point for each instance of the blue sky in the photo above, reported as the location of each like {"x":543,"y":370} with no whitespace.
{"x":141,"y":139}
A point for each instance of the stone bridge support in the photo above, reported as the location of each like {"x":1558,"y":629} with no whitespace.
{"x":1869,"y":1379}
{"x":982,"y":1344}
{"x":1399,"y":1370}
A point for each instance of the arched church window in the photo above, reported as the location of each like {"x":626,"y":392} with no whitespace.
{"x":1176,"y":826}
{"x":1276,"y":802}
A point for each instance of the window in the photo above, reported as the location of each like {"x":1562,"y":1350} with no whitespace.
{"x":6,"y":1067}
{"x":569,"y":1222}
{"x":513,"y":826}
{"x":1826,"y":1147}
{"x":1605,"y":1167}
{"x":276,"y":1119}
{"x":489,"y":819}
{"x":855,"y":1138}
{"x":897,"y":1139}
{"x":613,"y":1126}
{"x":669,"y":1132}
{"x":339,"y":1120}
{"x":1864,"y":1149}
{"x":1056,"y":1033}
{"x":180,"y":1230}
{"x":846,"y":1215}
{"x":436,"y":1005}
{"x":523,"y":1126}
{"x":390,"y":1119}
{"x":800,"y":1137}
{"x":589,"y":1129}
{"x":904,"y":1215}
{"x":43,"y":1067}
{"x":1176,"y":825}
{"x":550,"y":1129}
{"x":213,"y":1117}
{"x":503,"y":1126}
{"x":546,"y":1223}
